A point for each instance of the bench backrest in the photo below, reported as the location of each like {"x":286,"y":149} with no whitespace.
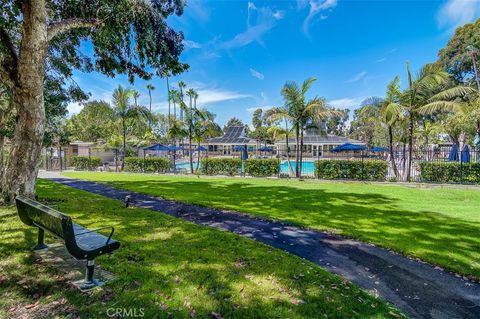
{"x":34,"y":213}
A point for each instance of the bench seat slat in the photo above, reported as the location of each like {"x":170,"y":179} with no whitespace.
{"x":91,"y":240}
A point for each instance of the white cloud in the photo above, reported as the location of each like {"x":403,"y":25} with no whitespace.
{"x":279,"y":14}
{"x":381,"y":60}
{"x":357,"y":77}
{"x":257,"y":74}
{"x":458,"y":12}
{"x":74,"y":108}
{"x":207,"y":96}
{"x":264,"y":20}
{"x":189,"y":44}
{"x":346,"y":102}
{"x":316,"y":7}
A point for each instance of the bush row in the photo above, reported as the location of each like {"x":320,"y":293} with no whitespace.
{"x":366,"y":170}
{"x":86,"y":162}
{"x":262,"y":167}
{"x":451,"y":172}
{"x":147,"y":164}
{"x":221,"y":166}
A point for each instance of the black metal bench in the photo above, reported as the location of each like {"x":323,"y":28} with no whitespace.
{"x":81,"y":243}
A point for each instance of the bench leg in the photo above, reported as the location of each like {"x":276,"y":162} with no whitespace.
{"x":89,"y":281}
{"x":41,"y":240}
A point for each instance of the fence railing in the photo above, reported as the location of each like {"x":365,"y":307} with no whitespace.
{"x":436,"y":165}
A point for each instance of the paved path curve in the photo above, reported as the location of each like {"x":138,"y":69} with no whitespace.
{"x":418,"y":289}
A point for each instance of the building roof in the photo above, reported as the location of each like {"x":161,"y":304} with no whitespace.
{"x":327,"y":139}
{"x":234,"y":135}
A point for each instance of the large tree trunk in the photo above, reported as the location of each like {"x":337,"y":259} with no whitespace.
{"x":392,"y":153}
{"x":3,"y":123}
{"x":410,"y":148}
{"x":22,"y":169}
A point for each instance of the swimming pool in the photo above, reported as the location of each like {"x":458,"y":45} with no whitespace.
{"x":185,"y":165}
{"x":308,"y":168}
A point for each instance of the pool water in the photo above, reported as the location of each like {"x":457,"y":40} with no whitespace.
{"x":308,"y":168}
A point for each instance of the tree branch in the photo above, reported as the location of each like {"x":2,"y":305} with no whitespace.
{"x":74,"y":23}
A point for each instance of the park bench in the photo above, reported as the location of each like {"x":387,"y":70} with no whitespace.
{"x":81,"y":243}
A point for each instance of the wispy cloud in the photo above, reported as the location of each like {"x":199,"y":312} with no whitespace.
{"x":189,"y":44}
{"x":317,"y":8}
{"x":457,"y":12}
{"x":381,"y":60}
{"x":348,"y":102}
{"x":257,"y":74}
{"x":357,"y":77}
{"x":259,"y":22}
{"x":208,"y":96}
{"x":279,"y":14}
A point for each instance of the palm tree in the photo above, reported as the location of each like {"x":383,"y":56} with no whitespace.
{"x":191,"y":94}
{"x":135,"y":95}
{"x":204,"y":127}
{"x":176,"y":130}
{"x":174,"y":94}
{"x":181,"y":86}
{"x":150,"y":88}
{"x":304,"y":113}
{"x":127,"y":113}
{"x":389,"y":111}
{"x":279,"y":114}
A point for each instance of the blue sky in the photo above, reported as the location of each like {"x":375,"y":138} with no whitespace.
{"x":241,"y":52}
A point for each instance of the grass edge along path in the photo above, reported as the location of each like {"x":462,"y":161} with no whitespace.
{"x":438,"y":225}
{"x":171,"y":268}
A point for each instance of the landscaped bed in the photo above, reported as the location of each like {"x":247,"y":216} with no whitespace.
{"x":440,"y":225}
{"x":169,"y":267}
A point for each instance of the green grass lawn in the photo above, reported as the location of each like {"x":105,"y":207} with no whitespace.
{"x":438,"y":225}
{"x":171,"y":268}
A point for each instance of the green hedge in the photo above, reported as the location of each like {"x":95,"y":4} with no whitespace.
{"x":221,"y":166}
{"x":367,"y":170}
{"x":450,"y":172}
{"x":86,"y":162}
{"x":147,"y":164}
{"x":262,"y":167}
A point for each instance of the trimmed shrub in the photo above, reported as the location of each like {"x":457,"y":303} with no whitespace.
{"x":262,"y":167}
{"x":86,"y":162}
{"x":221,"y":166}
{"x":450,"y":172}
{"x":147,"y":165}
{"x":367,"y":170}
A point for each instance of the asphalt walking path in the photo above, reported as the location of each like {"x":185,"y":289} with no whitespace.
{"x":418,"y":289}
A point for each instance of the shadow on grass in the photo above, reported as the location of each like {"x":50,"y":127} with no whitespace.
{"x":450,"y":242}
{"x":175,"y":268}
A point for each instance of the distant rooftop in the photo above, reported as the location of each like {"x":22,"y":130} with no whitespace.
{"x":234,"y":135}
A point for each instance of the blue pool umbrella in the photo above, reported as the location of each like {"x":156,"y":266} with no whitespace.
{"x":245,"y":153}
{"x":453,"y":156}
{"x":157,"y":147}
{"x":200,"y":149}
{"x":348,"y":147}
{"x":175,"y":148}
{"x":238,"y":148}
{"x":265,"y":149}
{"x":379,"y":149}
{"x":465,"y":155}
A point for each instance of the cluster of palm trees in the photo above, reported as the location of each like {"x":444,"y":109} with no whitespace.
{"x":192,"y":125}
{"x":431,"y":91}
{"x":298,"y":114}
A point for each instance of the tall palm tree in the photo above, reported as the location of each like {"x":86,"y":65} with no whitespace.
{"x":279,"y":114}
{"x":304,"y":113}
{"x":389,"y":111}
{"x":127,"y":114}
{"x":136,"y":96}
{"x":176,"y":130}
{"x":195,"y":97}
{"x":174,"y":94}
{"x":204,"y":127}
{"x":191,"y":93}
{"x":181,"y":86}
{"x":150,"y":88}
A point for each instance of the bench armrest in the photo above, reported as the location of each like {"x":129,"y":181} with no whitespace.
{"x":94,"y":230}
